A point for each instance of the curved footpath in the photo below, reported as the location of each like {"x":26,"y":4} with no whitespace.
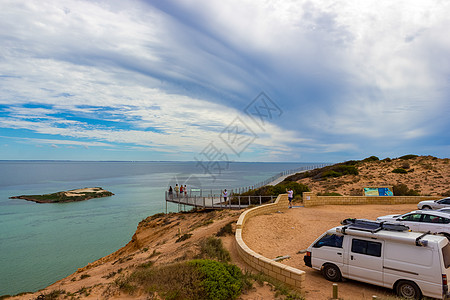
{"x":286,"y":274}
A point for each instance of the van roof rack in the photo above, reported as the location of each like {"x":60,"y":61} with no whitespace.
{"x":371,"y":226}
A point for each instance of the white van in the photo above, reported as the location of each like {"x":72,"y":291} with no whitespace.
{"x":389,"y":255}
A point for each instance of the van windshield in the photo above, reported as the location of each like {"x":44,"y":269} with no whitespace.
{"x":446,"y":254}
{"x":331,"y":240}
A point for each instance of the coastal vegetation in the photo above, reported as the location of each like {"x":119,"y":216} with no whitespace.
{"x":409,"y":175}
{"x":194,"y":279}
{"x":399,"y":171}
{"x":274,"y":190}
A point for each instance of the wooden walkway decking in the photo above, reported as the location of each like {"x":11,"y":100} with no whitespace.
{"x":218,"y":202}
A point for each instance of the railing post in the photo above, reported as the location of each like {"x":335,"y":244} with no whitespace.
{"x":204,"y":206}
{"x":249,"y":203}
{"x":239,"y":201}
{"x":220,"y":201}
{"x":260,"y":200}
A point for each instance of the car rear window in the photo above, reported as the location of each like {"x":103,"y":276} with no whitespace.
{"x":446,"y":254}
{"x":435,"y":219}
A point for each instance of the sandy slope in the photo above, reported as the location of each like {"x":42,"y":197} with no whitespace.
{"x":426,"y":174}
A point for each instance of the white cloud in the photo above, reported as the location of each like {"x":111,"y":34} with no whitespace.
{"x":169,"y":75}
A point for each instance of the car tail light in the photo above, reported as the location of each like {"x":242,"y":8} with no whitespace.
{"x":308,"y":253}
{"x":444,"y":279}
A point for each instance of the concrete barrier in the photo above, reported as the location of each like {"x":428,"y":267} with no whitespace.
{"x":311,"y":199}
{"x":293,"y":277}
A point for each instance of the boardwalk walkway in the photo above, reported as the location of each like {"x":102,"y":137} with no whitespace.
{"x":218,"y":202}
{"x":203,"y":199}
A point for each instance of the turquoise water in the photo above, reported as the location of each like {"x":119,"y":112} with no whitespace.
{"x":42,"y":243}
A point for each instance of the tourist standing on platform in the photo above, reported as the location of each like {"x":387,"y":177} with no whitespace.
{"x":181,"y":190}
{"x":225,"y":195}
{"x":290,"y":196}
{"x":170,"y":192}
{"x":185,"y":191}
{"x":177,"y":190}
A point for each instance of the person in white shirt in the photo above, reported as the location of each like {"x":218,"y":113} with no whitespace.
{"x":290,"y":196}
{"x":225,"y":195}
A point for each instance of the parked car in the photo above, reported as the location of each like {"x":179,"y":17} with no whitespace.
{"x":411,"y":263}
{"x":434,"y":204}
{"x":445,"y":209}
{"x":423,"y":221}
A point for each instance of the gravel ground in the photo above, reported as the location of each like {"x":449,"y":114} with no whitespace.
{"x":295,"y":229}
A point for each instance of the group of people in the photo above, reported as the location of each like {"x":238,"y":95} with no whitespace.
{"x":179,"y":190}
{"x":182,"y":191}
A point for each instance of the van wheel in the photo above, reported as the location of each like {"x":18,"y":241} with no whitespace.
{"x":331,"y":272}
{"x":408,"y":290}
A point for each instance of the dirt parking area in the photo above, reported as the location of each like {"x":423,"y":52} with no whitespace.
{"x":288,"y":232}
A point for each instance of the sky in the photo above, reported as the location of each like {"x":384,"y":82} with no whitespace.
{"x":235,"y":80}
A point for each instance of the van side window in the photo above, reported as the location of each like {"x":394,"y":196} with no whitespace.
{"x":331,"y":240}
{"x":446,"y":255}
{"x":366,"y":247}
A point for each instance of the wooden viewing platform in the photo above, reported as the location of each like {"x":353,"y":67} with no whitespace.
{"x":197,"y":198}
{"x":215,"y":201}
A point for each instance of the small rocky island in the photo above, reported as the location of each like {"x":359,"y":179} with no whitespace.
{"x":68,"y":196}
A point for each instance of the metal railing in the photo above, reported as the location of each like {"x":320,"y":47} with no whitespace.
{"x":279,"y":175}
{"x":214,"y":199}
{"x":217,"y":201}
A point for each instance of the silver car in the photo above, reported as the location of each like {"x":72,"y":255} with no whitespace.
{"x":434,"y":204}
{"x":422,"y":221}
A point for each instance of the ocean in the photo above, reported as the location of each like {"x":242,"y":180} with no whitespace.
{"x":42,"y":243}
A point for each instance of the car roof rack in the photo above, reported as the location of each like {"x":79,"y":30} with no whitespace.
{"x":371,"y":226}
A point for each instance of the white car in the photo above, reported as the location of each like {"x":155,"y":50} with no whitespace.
{"x":422,"y":221}
{"x":434,"y":204}
{"x":446,"y":210}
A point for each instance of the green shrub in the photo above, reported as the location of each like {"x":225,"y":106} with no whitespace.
{"x":371,"y":158}
{"x":298,"y":188}
{"x":400,"y":171}
{"x":346,"y":169}
{"x":212,"y":248}
{"x":183,"y":237}
{"x":175,"y":281}
{"x":406,"y":165}
{"x":227,"y":229}
{"x":403,"y":190}
{"x":280,"y":188}
{"x":408,"y":156}
{"x":53,"y":295}
{"x":196,"y":279}
{"x":218,"y":280}
{"x":331,"y":173}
